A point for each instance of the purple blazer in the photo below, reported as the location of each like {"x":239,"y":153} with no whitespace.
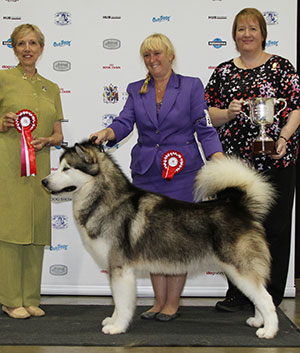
{"x":181,"y":115}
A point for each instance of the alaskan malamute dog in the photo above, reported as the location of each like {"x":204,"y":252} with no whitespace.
{"x":126,"y":228}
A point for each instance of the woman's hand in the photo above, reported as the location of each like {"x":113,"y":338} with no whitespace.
{"x":280,"y":147}
{"x":8,"y":121}
{"x":234,"y":109}
{"x":39,"y":143}
{"x":104,"y":135}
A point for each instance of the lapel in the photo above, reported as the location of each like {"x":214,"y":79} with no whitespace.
{"x":170,"y":96}
{"x":169,"y":99}
{"x":148,"y":100}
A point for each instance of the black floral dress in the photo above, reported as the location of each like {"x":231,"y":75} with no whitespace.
{"x":276,"y":78}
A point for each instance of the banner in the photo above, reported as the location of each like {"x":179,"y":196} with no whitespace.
{"x":92,"y":53}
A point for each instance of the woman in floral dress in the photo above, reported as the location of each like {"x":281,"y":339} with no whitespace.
{"x":256,"y":73}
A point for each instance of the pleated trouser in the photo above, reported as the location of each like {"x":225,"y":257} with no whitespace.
{"x":20,"y":274}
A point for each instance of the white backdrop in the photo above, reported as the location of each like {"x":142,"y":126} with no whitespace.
{"x":92,"y":52}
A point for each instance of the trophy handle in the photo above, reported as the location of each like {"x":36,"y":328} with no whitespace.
{"x":243,"y":113}
{"x":278,"y":100}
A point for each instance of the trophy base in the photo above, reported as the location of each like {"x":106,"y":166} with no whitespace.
{"x":264,"y":147}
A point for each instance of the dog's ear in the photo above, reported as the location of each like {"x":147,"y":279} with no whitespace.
{"x":85,"y":154}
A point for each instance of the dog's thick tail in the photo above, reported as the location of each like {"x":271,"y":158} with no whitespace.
{"x":229,"y":172}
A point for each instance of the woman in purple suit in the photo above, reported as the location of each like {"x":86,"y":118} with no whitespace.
{"x":168,"y":109}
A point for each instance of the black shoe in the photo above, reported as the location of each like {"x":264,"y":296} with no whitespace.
{"x":233,"y":304}
{"x":149,"y":315}
{"x":166,"y":317}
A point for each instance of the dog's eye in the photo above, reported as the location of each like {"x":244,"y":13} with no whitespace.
{"x":65,"y":169}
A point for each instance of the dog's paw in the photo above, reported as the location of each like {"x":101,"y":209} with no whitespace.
{"x":263,"y":333}
{"x":108,"y":321}
{"x":113,"y":330}
{"x":255,"y":321}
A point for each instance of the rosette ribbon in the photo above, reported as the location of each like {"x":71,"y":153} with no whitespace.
{"x":172,"y":163}
{"x":25,"y":123}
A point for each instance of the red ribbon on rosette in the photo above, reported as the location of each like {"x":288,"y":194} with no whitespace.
{"x":172,"y":163}
{"x":25,"y":123}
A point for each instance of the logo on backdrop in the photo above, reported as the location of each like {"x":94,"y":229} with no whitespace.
{"x":8,"y":66}
{"x":161,"y":19}
{"x":217,"y":43}
{"x":7,"y":43}
{"x":62,"y":18}
{"x":111,"y":17}
{"x":14,"y":18}
{"x":107,"y":119}
{"x":61,"y":65}
{"x":60,"y":222}
{"x":58,"y":199}
{"x":110,"y":94}
{"x":62,"y":90}
{"x":58,"y":270}
{"x":217,"y":17}
{"x":62,"y":43}
{"x":59,"y":247}
{"x":272,"y":43}
{"x":111,"y":43}
{"x":11,"y":0}
{"x":111,"y":67}
{"x":271,"y":17}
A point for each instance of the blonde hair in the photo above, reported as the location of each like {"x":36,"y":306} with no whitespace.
{"x":156,"y":41}
{"x":23,"y":30}
{"x":257,"y":15}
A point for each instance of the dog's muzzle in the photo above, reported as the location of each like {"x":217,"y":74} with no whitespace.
{"x":66,"y":189}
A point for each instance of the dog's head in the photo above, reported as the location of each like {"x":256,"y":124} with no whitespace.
{"x":77,"y":166}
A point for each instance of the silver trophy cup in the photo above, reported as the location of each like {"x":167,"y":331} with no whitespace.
{"x":262,"y":114}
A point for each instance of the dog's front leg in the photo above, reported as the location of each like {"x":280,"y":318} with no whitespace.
{"x":123,"y":286}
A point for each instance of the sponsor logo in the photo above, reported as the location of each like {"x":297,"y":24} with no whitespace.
{"x":217,"y":43}
{"x":59,"y":247}
{"x":272,"y":43}
{"x":8,"y":66}
{"x":7,"y":42}
{"x":111,"y":67}
{"x":62,"y":18}
{"x":217,"y":17}
{"x":12,"y":0}
{"x":161,"y":19}
{"x":110,"y":94}
{"x":211,"y":273}
{"x":62,"y":90}
{"x":58,"y":270}
{"x":111,"y":17}
{"x":60,"y":222}
{"x":62,"y":43}
{"x":107,"y":119}
{"x":58,"y":199}
{"x":111,"y":43}
{"x":14,"y":18}
{"x":271,"y":17}
{"x":61,"y":65}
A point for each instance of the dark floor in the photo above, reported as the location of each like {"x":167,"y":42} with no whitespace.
{"x":290,"y":306}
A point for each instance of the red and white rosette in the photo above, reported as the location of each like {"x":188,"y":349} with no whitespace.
{"x":172,"y":163}
{"x":25,"y":123}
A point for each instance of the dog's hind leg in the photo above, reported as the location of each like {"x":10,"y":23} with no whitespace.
{"x":265,"y":312}
{"x":123,"y":286}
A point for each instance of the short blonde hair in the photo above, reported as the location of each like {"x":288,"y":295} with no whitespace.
{"x":156,"y":41}
{"x":257,"y":15}
{"x":23,"y":30}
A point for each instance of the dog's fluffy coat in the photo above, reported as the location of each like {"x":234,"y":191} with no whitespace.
{"x":127,"y":228}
